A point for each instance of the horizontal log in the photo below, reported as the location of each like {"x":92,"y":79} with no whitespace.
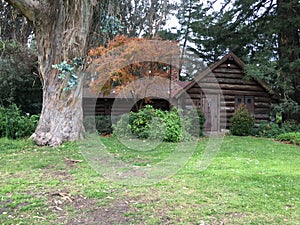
{"x":211,"y":91}
{"x":228,"y":103}
{"x":228,"y":70}
{"x":241,"y":87}
{"x":89,"y":114}
{"x":88,"y":106}
{"x":224,"y":118}
{"x":229,"y":97}
{"x":259,"y":121}
{"x":229,"y":65}
{"x":262,"y":99}
{"x":223,"y":113}
{"x":262,"y":111}
{"x":208,"y":80}
{"x":209,"y":85}
{"x":262,"y":105}
{"x":95,"y":110}
{"x":101,"y":110}
{"x":230,"y":110}
{"x":245,"y":93}
{"x":229,"y":75}
{"x":229,"y":115}
{"x":245,"y":89}
{"x":236,"y":81}
{"x":195,"y":91}
{"x":261,"y":116}
{"x":195,"y":96}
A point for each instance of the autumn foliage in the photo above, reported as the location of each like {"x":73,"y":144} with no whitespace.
{"x":126,"y":59}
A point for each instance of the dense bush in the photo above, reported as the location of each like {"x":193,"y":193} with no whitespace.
{"x":100,"y":124}
{"x":122,"y":128}
{"x":194,"y":122}
{"x":15,"y":125}
{"x":272,"y":130}
{"x":170,"y":126}
{"x":290,"y":126}
{"x":266,"y":129}
{"x":19,"y":82}
{"x":291,"y":137}
{"x":140,"y":122}
{"x":155,"y":124}
{"x":242,"y":122}
{"x":174,"y":131}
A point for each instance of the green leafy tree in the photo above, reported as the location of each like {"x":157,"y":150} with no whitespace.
{"x":19,"y":80}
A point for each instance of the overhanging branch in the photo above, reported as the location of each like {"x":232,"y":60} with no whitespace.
{"x":27,"y":7}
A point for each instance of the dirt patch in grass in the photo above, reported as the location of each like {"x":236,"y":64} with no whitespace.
{"x":61,"y":175}
{"x":88,"y":211}
{"x":4,"y":206}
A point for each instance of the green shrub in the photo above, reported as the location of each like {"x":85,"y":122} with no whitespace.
{"x":140,"y":121}
{"x":290,"y":126}
{"x":241,"y":122}
{"x":104,"y":124}
{"x":169,"y":126}
{"x":194,"y":122}
{"x":291,"y":137}
{"x":157,"y":129}
{"x":101,"y":124}
{"x":89,"y":124}
{"x":150,"y":123}
{"x":269,"y":130}
{"x":122,"y":127}
{"x":173,"y":124}
{"x":14,"y":125}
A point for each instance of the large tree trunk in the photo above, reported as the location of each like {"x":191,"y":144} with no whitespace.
{"x":61,"y":29}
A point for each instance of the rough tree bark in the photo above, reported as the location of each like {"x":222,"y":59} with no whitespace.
{"x":61,"y":28}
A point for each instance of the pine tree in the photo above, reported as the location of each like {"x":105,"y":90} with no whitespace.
{"x":264,"y":34}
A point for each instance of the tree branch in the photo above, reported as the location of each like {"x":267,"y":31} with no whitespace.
{"x":26,"y":7}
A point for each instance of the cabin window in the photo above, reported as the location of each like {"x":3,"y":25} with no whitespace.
{"x":247,"y":100}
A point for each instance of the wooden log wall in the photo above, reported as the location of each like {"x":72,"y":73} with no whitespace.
{"x":116,"y":107}
{"x":233,"y":83}
{"x":106,"y":106}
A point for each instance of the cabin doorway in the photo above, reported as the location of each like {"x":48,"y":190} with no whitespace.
{"x":211,"y":110}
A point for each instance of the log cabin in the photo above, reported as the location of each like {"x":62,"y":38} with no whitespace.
{"x":217,"y":91}
{"x":221,"y":88}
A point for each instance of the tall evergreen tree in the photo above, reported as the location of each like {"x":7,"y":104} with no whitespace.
{"x":265,"y":34}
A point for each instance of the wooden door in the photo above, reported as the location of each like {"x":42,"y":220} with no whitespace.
{"x":211,"y":111}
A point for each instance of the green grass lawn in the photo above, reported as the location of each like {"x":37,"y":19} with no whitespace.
{"x":250,"y":181}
